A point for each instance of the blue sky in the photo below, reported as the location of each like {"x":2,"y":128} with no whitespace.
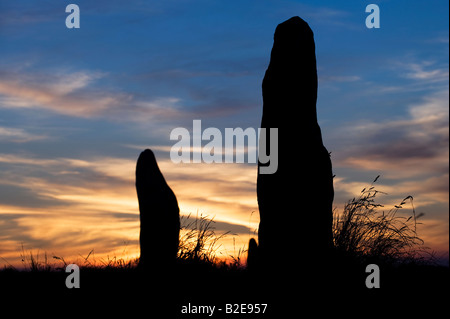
{"x":78,"y":105}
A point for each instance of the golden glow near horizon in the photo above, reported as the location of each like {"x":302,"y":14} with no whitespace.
{"x":102,"y":214}
{"x":93,"y":207}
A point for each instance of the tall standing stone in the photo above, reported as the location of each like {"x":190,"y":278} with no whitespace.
{"x":295,"y":203}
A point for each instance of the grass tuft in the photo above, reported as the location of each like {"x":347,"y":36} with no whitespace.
{"x":365,"y":230}
{"x":199,"y":241}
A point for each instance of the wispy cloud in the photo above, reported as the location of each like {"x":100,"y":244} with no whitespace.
{"x":78,"y":94}
{"x":412,"y":77}
{"x":89,"y":180}
{"x":17,"y":135}
{"x":425,"y":71}
{"x":409,"y":146}
{"x":94,"y":199}
{"x":59,"y":93}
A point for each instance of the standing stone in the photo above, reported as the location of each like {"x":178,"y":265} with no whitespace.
{"x":295,"y":203}
{"x":159,"y":214}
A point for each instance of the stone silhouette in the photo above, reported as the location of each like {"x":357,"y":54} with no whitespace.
{"x":159,"y":214}
{"x":252,"y":260}
{"x":295,"y":203}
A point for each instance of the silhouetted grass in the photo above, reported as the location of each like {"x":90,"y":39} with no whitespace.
{"x":198,"y":242}
{"x":364,"y":230}
{"x":33,"y":262}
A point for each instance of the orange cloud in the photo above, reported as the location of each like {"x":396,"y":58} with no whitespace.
{"x":97,"y":208}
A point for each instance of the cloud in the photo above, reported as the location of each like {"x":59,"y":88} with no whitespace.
{"x":79,"y":94}
{"x":107,"y":184}
{"x":54,"y":92}
{"x":71,"y":205}
{"x":413,"y":78}
{"x":425,"y":71}
{"x":67,"y":206}
{"x":17,"y":135}
{"x":414,"y":145}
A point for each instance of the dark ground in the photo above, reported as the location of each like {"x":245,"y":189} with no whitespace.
{"x":404,"y":290}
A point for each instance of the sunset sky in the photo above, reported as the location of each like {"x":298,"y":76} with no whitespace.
{"x":77,"y":106}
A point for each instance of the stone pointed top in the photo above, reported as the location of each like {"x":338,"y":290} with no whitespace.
{"x":293,"y":30}
{"x":147,"y":170}
{"x":148,"y":155}
{"x":295,"y":21}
